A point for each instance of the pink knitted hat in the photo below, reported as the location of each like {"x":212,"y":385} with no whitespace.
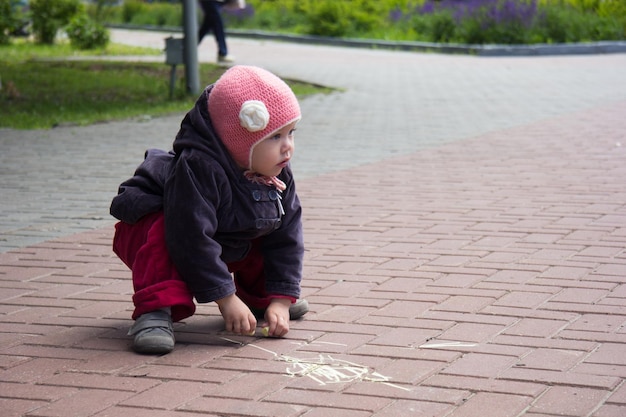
{"x":248,"y":104}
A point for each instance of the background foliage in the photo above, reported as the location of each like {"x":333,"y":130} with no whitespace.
{"x":44,"y":19}
{"x":461,"y":21}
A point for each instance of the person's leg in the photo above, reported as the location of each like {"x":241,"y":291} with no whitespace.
{"x":206,"y":25}
{"x":156,"y":281}
{"x":160,"y":294}
{"x":213,"y":21}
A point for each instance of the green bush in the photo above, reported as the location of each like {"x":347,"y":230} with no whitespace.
{"x":137,"y":12}
{"x":354,"y":18}
{"x":102,"y":10}
{"x":565,"y":24}
{"x":86,"y":33}
{"x":161,"y":14}
{"x":615,"y":11}
{"x":328,"y":18}
{"x":442,"y":27}
{"x":51,"y":15}
{"x":476,"y":21}
{"x":7,"y":21}
{"x":132,"y":8}
{"x":272,"y":15}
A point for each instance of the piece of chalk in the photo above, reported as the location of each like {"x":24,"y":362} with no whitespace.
{"x":265,"y":331}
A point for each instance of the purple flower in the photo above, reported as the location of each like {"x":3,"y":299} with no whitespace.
{"x":396,"y":15}
{"x":490,"y":12}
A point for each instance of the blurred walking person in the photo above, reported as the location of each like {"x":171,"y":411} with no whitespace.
{"x":212,"y":21}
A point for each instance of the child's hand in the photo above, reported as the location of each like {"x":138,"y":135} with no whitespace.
{"x":277,"y":317}
{"x":237,"y":316}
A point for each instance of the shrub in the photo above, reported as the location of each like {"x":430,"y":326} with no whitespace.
{"x":464,"y":21}
{"x":328,"y":18}
{"x":274,"y":15}
{"x":615,"y":11}
{"x":102,"y":10}
{"x":342,"y":18}
{"x":162,"y":14}
{"x":483,"y":21}
{"x":86,"y":33}
{"x":7,"y":21}
{"x":51,"y":15}
{"x":442,"y":27}
{"x":132,"y":8}
{"x":566,"y":24}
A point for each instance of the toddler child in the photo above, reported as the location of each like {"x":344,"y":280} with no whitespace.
{"x":218,"y":217}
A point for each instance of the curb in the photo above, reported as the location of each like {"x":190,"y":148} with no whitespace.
{"x":492,"y":50}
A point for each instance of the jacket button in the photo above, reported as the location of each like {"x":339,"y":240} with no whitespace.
{"x":256,"y":194}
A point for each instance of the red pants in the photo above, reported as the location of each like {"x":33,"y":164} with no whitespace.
{"x":156,"y":281}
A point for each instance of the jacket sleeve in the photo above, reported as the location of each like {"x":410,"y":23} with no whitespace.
{"x":192,"y":197}
{"x":283,"y":249}
{"x":143,"y":193}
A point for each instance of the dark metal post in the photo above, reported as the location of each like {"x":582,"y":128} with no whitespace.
{"x":190,"y":28}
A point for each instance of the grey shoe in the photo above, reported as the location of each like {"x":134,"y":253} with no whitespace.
{"x":225,"y":59}
{"x":153,"y":333}
{"x":298,"y":309}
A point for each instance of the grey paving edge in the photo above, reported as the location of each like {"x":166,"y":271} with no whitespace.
{"x":600,"y":47}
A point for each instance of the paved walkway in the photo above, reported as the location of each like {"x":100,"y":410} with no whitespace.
{"x":465,"y":222}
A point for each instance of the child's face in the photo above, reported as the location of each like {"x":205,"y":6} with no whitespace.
{"x":272,"y":154}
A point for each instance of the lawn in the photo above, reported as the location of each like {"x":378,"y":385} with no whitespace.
{"x":47,"y":86}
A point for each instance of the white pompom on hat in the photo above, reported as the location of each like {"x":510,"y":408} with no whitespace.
{"x":248,"y":104}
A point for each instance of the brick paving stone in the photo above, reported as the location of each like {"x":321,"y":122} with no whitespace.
{"x":252,"y":386}
{"x":410,"y":371}
{"x":34,"y":370}
{"x":610,"y":411}
{"x":535,"y":327}
{"x":118,"y":411}
{"x":324,"y":412}
{"x":237,"y":407}
{"x":20,"y":390}
{"x":601,"y":369}
{"x":618,"y":396}
{"x":552,"y":359}
{"x":480,"y":365}
{"x":15,"y":407}
{"x":569,"y":401}
{"x":81,"y":403}
{"x":169,"y":395}
{"x":405,"y":408}
{"x":465,"y":304}
{"x":416,"y":352}
{"x":540,"y":342}
{"x":472,"y":332}
{"x":561,"y":378}
{"x":497,"y":404}
{"x":324,"y":399}
{"x":609,"y":353}
{"x":618,"y":337}
{"x":522,"y":299}
{"x":479,"y":384}
{"x":97,"y":381}
{"x":419,"y":393}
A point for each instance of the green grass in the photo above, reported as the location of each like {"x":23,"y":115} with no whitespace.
{"x":43,"y":88}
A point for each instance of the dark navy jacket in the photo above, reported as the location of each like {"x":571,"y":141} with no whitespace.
{"x":212,"y":212}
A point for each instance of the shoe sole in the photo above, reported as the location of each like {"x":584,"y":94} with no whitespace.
{"x":153,"y":345}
